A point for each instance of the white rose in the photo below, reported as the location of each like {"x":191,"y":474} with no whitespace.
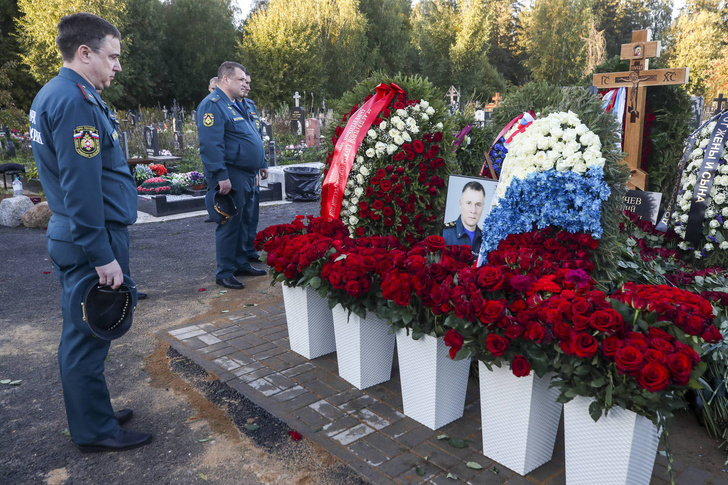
{"x":714,"y":224}
{"x":380,"y":145}
{"x":353,"y":209}
{"x":353,"y":220}
{"x":704,"y":143}
{"x":424,"y":104}
{"x":697,"y":153}
{"x":708,"y":247}
{"x":580,"y":167}
{"x":723,"y":245}
{"x":391,"y":148}
{"x":372,"y":134}
{"x":719,"y":199}
{"x":697,"y":255}
{"x":424,"y":116}
{"x":684,"y":218}
{"x":401,"y":112}
{"x":393,"y":133}
{"x":439,"y":126}
{"x":581,"y":129}
{"x":406,"y":137}
{"x":358,"y":191}
{"x":430,"y":111}
{"x":347,"y":192}
{"x":383,"y":125}
{"x":395,"y":119}
{"x":542,"y":143}
{"x":359,"y":159}
{"x":683,"y":245}
{"x":556,"y":131}
{"x":399,"y":139}
{"x":359,"y":178}
{"x":364,"y":171}
{"x":370,"y":153}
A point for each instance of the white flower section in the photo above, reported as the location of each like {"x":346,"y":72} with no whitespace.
{"x":559,"y":141}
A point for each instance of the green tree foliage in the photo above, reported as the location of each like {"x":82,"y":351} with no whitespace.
{"x":503,"y":54}
{"x":695,"y":41}
{"x":37,"y":29}
{"x":199,"y":37}
{"x":316,"y":46}
{"x":451,"y":39}
{"x":552,"y":39}
{"x":22,"y":87}
{"x":144,"y":73}
{"x":388,"y":35}
{"x":10,"y":114}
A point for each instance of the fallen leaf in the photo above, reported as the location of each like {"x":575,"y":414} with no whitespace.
{"x":442,"y":437}
{"x":452,"y":476}
{"x":251,"y":427}
{"x":458,"y":443}
{"x":202,"y":289}
{"x":6,"y":381}
{"x":295,"y":435}
{"x":474,"y":465}
{"x":226,"y":311}
{"x":204,"y":439}
{"x":420,"y":471}
{"x":494,"y":470}
{"x":46,"y":272}
{"x":15,"y":383}
{"x":317,"y":430}
{"x":203,"y":476}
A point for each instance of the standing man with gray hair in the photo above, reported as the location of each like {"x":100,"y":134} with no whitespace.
{"x":232,"y":154}
{"x":93,"y":198}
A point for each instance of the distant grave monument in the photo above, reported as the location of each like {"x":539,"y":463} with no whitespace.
{"x":312,"y":132}
{"x":298,"y":117}
{"x":151,"y":141}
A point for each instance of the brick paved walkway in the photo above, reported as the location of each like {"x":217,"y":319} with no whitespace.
{"x":366,"y":429}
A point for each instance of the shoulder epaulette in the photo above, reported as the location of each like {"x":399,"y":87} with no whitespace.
{"x":215,"y":98}
{"x":87,"y":93}
{"x":451,"y":224}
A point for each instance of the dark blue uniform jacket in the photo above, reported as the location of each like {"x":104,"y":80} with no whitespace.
{"x":81,"y":165}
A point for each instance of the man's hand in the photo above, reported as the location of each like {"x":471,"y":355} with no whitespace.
{"x":263,"y":173}
{"x":225,"y":186}
{"x":110,"y":274}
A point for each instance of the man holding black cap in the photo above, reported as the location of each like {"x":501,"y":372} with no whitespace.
{"x":93,"y":198}
{"x":232,"y":154}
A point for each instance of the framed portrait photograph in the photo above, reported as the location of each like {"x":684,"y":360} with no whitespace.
{"x":469,"y":200}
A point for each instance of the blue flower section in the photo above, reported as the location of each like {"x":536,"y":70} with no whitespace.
{"x":497,"y":155}
{"x":566,"y":200}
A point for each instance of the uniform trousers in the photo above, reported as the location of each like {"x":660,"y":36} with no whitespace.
{"x":230,"y":237}
{"x":81,"y":356}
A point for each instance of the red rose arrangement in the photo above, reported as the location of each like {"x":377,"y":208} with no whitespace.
{"x":158,"y":169}
{"x":155,"y":185}
{"x":397,"y":183}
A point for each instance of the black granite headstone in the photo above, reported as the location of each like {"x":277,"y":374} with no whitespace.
{"x":644,"y":204}
{"x":151,"y":140}
{"x":298,"y":120}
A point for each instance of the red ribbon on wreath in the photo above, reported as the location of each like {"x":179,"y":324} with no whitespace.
{"x":332,"y":192}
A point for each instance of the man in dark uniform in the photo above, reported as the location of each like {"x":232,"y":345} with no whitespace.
{"x":93,"y":199}
{"x":232,"y":154}
{"x":465,"y":230}
{"x":250,"y":220}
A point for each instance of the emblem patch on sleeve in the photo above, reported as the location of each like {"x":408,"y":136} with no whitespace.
{"x":208,"y":119}
{"x":86,"y":140}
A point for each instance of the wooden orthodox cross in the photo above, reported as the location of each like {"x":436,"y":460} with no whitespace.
{"x":720,"y":100}
{"x":453,"y":93}
{"x":638,"y":52}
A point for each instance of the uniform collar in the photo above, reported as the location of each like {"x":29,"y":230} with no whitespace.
{"x":461,"y":229}
{"x":88,"y":89}
{"x":230,"y":102}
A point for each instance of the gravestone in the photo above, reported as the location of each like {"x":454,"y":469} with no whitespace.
{"x":193,"y":116}
{"x":125,"y":144}
{"x":698,"y":105}
{"x":312,"y":132}
{"x":7,"y":144}
{"x":298,"y":115}
{"x":151,"y":140}
{"x":267,"y":130}
{"x":480,"y":117}
{"x":178,"y":141}
{"x":272,"y":153}
{"x":644,"y":204}
{"x":720,"y":100}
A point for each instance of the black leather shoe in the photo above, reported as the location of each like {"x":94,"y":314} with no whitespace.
{"x":123,"y":416}
{"x":230,"y":282}
{"x":254,"y":259}
{"x":141,"y":296}
{"x":250,"y":271}
{"x":123,"y":440}
{"x":209,"y":219}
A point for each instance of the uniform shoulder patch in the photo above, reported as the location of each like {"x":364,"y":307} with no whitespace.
{"x":215,"y":98}
{"x":208,"y":119}
{"x":86,"y":141}
{"x":451,"y":224}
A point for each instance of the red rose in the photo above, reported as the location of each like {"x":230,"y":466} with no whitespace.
{"x":398,"y":189}
{"x":418,"y":146}
{"x":520,"y":366}
{"x":580,"y":322}
{"x":652,"y":355}
{"x":399,"y":105}
{"x":490,"y":278}
{"x":606,"y":320}
{"x":585,"y":346}
{"x":712,"y":335}
{"x":610,"y":345}
{"x":434,"y":149}
{"x":653,"y":377}
{"x":399,"y":156}
{"x":659,"y":343}
{"x":680,"y":367}
{"x":378,"y":204}
{"x":492,"y":311}
{"x":496,"y":344}
{"x":580,"y":306}
{"x":534,"y":331}
{"x":401,"y":297}
{"x":435,"y":243}
{"x":513,"y":330}
{"x":628,"y":359}
{"x":385,"y":185}
{"x":353,"y":288}
{"x":453,"y":340}
{"x":363,"y":205}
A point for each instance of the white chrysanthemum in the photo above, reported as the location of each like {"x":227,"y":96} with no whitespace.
{"x":697,"y":255}
{"x":709,"y":247}
{"x":683,"y":218}
{"x":714,"y":224}
{"x":723,"y":245}
{"x":683,"y":245}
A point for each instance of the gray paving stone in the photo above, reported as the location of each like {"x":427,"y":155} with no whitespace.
{"x":387,"y":412}
{"x":327,"y":410}
{"x":264,"y":387}
{"x":240,"y":343}
{"x":195,"y":343}
{"x":190,"y":334}
{"x":437,"y":455}
{"x":208,"y":327}
{"x":336,"y":427}
{"x":276,"y":363}
{"x":411,"y":477}
{"x":311,"y":417}
{"x":319,"y":388}
{"x":299,"y":402}
{"x":355,"y":405}
{"x":415,"y":437}
{"x":371,"y":419}
{"x":548,"y":471}
{"x":294,"y":359}
{"x":345,"y":396}
{"x":227,"y":350}
{"x":368,"y":453}
{"x":350,"y":435}
{"x":227,"y":363}
{"x":221,"y":332}
{"x":247,"y":368}
{"x":298,"y":369}
{"x":241,"y":358}
{"x":180,"y":331}
{"x":212,"y":347}
{"x":397,"y":429}
{"x":384,"y":444}
{"x":290,"y":393}
{"x":256,"y":374}
{"x":560,"y":479}
{"x":400,"y":465}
